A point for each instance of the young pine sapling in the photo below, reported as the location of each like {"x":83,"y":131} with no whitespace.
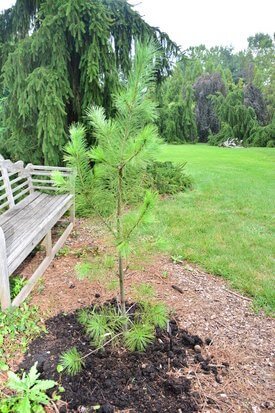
{"x":128,"y":140}
{"x":124,"y":146}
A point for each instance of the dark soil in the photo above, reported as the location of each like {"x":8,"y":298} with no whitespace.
{"x":115,"y":379}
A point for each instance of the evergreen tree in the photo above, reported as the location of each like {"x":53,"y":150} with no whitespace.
{"x":177,"y":111}
{"x":238,"y":120}
{"x":262,"y":50}
{"x":57,"y":56}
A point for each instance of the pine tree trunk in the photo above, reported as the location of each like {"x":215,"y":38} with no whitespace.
{"x":119,"y":233}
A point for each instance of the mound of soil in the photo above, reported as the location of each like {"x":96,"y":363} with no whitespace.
{"x":115,"y":379}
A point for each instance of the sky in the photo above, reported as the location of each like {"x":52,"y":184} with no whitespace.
{"x":209,"y":22}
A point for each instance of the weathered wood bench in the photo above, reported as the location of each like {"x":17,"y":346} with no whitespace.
{"x":30,"y":206}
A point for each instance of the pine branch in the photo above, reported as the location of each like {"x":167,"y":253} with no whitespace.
{"x":103,"y":345}
{"x":139,"y":220}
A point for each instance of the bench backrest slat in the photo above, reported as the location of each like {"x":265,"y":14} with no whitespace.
{"x":7,"y":186}
{"x":14,"y":183}
{"x":17,"y":181}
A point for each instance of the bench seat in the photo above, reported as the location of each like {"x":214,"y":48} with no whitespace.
{"x":28,"y":223}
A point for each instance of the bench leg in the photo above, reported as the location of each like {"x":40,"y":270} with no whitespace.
{"x":44,"y":264}
{"x":48,"y":243}
{"x":5,"y":298}
{"x":72,"y":213}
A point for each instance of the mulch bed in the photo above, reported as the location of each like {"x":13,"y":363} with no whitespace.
{"x":116,"y":379}
{"x":206,"y":306}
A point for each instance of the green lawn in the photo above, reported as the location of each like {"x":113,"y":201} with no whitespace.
{"x":226,"y":223}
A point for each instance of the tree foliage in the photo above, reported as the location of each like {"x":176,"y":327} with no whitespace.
{"x":187,"y":110}
{"x":124,"y":146}
{"x":262,"y":58}
{"x":59,"y":56}
{"x":206,"y":86}
{"x":238,"y":121}
{"x":253,"y":98}
{"x":177,"y":116}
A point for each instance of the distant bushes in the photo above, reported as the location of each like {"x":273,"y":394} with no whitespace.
{"x":224,"y":133}
{"x":263,"y":136}
{"x":167,"y":177}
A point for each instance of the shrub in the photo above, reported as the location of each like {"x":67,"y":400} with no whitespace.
{"x":225,"y":133}
{"x":167,"y":177}
{"x":264,"y":136}
{"x":124,"y":143}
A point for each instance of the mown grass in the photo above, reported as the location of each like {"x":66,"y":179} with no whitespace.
{"x":226,"y":223}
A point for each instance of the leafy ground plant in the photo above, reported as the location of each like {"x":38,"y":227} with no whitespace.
{"x":16,"y":284}
{"x":29,"y":393}
{"x":17,"y":327}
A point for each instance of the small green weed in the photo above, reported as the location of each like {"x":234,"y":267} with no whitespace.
{"x":17,"y":282}
{"x":94,"y":268}
{"x":144,"y":292}
{"x":82,"y":252}
{"x":63,"y":252}
{"x":112,"y":285}
{"x":83,"y":270}
{"x":177,"y":259}
{"x":17,"y":327}
{"x":40,"y":286}
{"x":165,"y":274}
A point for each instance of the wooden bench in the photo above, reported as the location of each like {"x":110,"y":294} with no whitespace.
{"x":30,"y":206}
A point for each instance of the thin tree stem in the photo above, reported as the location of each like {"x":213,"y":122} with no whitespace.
{"x":119,"y":234}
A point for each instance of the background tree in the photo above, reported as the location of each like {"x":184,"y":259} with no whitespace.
{"x":253,"y":98}
{"x":177,"y":109}
{"x":207,"y":120}
{"x":216,"y":70}
{"x":262,"y":48}
{"x":259,"y":42}
{"x":238,"y":121}
{"x":59,"y":56}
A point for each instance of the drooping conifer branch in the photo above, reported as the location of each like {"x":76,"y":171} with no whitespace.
{"x":59,"y":57}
